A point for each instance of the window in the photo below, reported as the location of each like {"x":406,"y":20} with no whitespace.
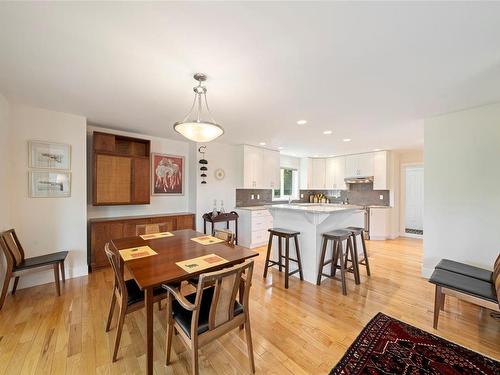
{"x":289,"y":185}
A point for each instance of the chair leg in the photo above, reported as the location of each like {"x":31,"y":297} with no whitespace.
{"x":354,"y":261}
{"x":443,"y":297}
{"x":6,"y":281}
{"x":335,"y":258}
{"x":287,"y":261}
{"x":63,"y":273}
{"x":340,"y":254}
{"x":56,"y":278}
{"x":365,"y":254}
{"x":437,"y":305}
{"x":299,"y":261}
{"x":321,"y":261}
{"x":194,"y":358}
{"x":280,"y":253}
{"x":159,"y":305}
{"x":119,"y":329}
{"x":269,"y":247}
{"x":248,"y":335}
{"x":111,"y":310}
{"x":14,"y":287}
{"x":241,"y":293}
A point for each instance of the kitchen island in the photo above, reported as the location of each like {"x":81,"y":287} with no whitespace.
{"x":312,"y":220}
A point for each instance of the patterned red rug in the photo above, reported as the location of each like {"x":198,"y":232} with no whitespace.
{"x":388,"y":346}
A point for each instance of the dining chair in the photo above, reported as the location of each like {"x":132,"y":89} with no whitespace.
{"x":17,"y":262}
{"x":127,"y":294}
{"x":141,"y":229}
{"x":226,"y":235}
{"x":210,"y":312}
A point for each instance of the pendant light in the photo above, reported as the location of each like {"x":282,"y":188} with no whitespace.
{"x":199,"y":126}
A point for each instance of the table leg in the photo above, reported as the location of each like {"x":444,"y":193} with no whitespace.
{"x":236,"y":230}
{"x":149,"y":330}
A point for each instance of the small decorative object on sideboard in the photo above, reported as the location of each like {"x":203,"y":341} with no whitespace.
{"x":203,"y":163}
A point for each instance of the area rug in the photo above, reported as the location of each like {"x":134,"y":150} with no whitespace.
{"x":389,"y":346}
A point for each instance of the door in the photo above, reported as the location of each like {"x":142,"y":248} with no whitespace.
{"x":414,"y":207}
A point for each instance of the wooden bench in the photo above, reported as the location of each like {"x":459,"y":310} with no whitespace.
{"x":472,"y":284}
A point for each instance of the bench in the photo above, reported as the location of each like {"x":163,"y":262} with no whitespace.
{"x":472,"y":284}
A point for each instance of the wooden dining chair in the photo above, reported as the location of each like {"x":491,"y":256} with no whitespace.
{"x":16,"y":262}
{"x":141,"y":229}
{"x":226,"y":235}
{"x":127,"y":294}
{"x":210,"y":312}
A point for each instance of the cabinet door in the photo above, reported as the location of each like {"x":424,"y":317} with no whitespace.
{"x":305,"y":174}
{"x":380,"y":173}
{"x":140,"y":181}
{"x":100,"y":234}
{"x":351,"y":166}
{"x":185,"y":222}
{"x":112,"y":180}
{"x":379,"y":223}
{"x":252,"y":167}
{"x":318,"y":173}
{"x":331,"y":166}
{"x":339,"y":167}
{"x":365,"y":165}
{"x":271,"y":168}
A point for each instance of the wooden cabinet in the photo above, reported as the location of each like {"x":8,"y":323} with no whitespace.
{"x":261,"y":168}
{"x":104,"y":230}
{"x":121,"y":170}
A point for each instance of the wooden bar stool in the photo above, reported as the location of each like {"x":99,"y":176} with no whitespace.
{"x":338,"y":259}
{"x":286,"y":235}
{"x":359,"y":231}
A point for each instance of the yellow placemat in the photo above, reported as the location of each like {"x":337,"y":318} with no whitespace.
{"x":137,"y":252}
{"x":153,"y":236}
{"x":201,"y":263}
{"x":207,"y":240}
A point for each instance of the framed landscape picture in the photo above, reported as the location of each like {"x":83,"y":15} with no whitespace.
{"x":47,"y":184}
{"x":167,"y":173}
{"x":49,"y":155}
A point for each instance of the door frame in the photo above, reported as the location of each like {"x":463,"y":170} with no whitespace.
{"x":402,"y":201}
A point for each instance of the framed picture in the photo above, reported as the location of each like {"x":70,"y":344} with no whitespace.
{"x":49,"y":155}
{"x":47,"y":184}
{"x":167,"y":173}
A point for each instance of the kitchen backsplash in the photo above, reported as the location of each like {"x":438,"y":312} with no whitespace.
{"x":361,"y":194}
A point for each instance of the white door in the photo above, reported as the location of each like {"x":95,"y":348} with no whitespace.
{"x":414,"y":198}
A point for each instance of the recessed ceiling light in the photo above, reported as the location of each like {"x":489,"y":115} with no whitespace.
{"x":327,"y":132}
{"x":316,"y":156}
{"x":347,"y":139}
{"x":377,"y":149}
{"x":280,"y":148}
{"x":262,"y":143}
{"x":301,"y":122}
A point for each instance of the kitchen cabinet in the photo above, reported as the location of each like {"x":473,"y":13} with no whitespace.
{"x":322,"y":173}
{"x":253,"y":227}
{"x":359,"y":165}
{"x":318,"y":174}
{"x":381,"y":170}
{"x":380,"y":223}
{"x":261,"y":168}
{"x":335,"y":173}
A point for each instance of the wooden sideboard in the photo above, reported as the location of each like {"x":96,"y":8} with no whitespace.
{"x":104,"y":230}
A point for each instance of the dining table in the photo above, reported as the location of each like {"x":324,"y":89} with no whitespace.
{"x":155,"y":270}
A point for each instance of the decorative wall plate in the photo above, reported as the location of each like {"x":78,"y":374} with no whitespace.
{"x":220,"y":174}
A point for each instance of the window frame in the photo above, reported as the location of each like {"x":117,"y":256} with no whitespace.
{"x":295,"y":185}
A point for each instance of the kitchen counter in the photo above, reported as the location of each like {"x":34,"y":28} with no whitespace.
{"x":320,"y":208}
{"x":252,"y":208}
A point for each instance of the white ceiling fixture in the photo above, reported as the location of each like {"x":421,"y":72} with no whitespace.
{"x":376,"y":149}
{"x":199,"y":125}
{"x":262,"y":143}
{"x":346,"y":140}
{"x":327,"y":132}
{"x":280,"y":148}
{"x":301,"y":122}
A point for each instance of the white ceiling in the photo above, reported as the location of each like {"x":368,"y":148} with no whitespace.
{"x":367,"y":71}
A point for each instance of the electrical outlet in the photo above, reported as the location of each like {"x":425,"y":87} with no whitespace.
{"x":301,"y":196}
{"x":258,"y":196}
{"x":381,"y":197}
{"x":252,"y":197}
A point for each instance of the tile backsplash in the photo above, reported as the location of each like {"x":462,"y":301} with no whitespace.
{"x":360,"y":194}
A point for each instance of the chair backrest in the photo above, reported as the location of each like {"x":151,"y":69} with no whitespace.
{"x":496,"y":278}
{"x":115,"y":261}
{"x":150,"y":228}
{"x":226,"y":235}
{"x":13,"y":246}
{"x":226,"y":285}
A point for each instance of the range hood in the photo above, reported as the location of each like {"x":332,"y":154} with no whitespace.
{"x":359,"y":180}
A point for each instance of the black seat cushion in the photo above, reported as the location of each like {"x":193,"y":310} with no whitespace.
{"x":465,"y":269}
{"x":42,"y":260}
{"x":135,"y":294}
{"x":184,"y":317}
{"x":464,"y":284}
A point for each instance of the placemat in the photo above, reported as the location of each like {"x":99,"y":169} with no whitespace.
{"x":137,"y":252}
{"x":153,"y":236}
{"x":207,"y":240}
{"x":201,"y":263}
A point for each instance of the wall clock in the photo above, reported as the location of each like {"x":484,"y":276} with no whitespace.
{"x":220,"y":174}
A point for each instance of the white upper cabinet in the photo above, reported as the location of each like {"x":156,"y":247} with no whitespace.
{"x":339,"y":182}
{"x":318,"y":173}
{"x":381,"y":170}
{"x":261,"y":168}
{"x":322,"y":173}
{"x":360,"y":165}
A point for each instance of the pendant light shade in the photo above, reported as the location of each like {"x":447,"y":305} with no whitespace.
{"x":199,"y":125}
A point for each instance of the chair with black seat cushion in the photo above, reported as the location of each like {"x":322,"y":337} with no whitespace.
{"x":211,"y":311}
{"x":127,"y":293}
{"x":16,"y":262}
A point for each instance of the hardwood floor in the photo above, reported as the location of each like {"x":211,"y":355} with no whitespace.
{"x":302,"y":330}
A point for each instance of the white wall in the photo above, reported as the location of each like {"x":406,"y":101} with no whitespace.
{"x":4,"y":165}
{"x":462,"y":180}
{"x":159,"y":204}
{"x":48,"y":224}
{"x":230,"y":159}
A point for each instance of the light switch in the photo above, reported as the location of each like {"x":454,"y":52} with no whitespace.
{"x":258,"y":196}
{"x":301,"y":196}
{"x":252,"y":197}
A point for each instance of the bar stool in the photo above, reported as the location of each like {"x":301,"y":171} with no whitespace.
{"x":359,"y":231}
{"x":286,"y":235}
{"x":338,"y":260}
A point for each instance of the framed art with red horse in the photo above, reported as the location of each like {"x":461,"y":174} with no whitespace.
{"x":167,"y":172}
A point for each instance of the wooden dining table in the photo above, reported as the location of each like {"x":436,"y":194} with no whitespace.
{"x":155,"y":270}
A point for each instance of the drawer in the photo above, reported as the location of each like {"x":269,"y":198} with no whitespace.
{"x":262,"y":224}
{"x":260,"y":236}
{"x":260,"y":213}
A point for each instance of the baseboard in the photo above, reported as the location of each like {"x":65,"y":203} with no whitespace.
{"x":427,"y":272}
{"x":38,"y":277}
{"x":411,"y":235}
